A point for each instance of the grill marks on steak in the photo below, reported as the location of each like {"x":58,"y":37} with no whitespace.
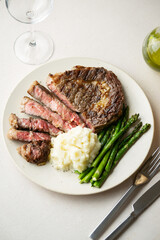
{"x":31,"y":107}
{"x":27,"y":136}
{"x":43,"y":95}
{"x":95,"y":93}
{"x":33,"y":124}
{"x":77,"y":87}
{"x":35,"y":152}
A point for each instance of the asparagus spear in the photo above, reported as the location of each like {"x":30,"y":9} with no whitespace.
{"x":112,"y":163}
{"x":113,"y":139}
{"x":112,"y":157}
{"x":88,"y":177}
{"x":126,"y":115}
{"x":107,"y":135}
{"x":107,"y":146}
{"x":100,"y":182}
{"x":118,"y":126}
{"x":136,"y":129}
{"x":101,"y":135}
{"x":101,"y":166}
{"x":116,"y":146}
{"x":113,"y":153}
{"x":108,"y":166}
{"x":122,"y":120}
{"x":84,"y":173}
{"x":131,"y":141}
{"x":106,"y":138}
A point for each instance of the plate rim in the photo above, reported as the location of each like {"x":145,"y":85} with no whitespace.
{"x":78,"y":58}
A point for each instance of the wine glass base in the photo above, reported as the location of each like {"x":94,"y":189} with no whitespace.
{"x":37,"y":52}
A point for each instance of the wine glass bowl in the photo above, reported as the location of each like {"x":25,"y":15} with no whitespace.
{"x":32,"y":47}
{"x":32,"y":11}
{"x":151,"y":49}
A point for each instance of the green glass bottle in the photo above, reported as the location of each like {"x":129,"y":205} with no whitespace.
{"x":151,"y":49}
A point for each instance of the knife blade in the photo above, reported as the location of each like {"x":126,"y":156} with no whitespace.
{"x":138,"y":208}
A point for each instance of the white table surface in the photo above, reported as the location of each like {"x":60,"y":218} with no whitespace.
{"x":111,"y":30}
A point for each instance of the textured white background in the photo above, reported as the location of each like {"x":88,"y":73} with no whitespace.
{"x":111,"y":30}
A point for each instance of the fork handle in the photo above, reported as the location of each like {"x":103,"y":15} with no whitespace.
{"x":108,"y":219}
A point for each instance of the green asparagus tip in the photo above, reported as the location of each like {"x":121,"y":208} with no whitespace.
{"x":137,"y":115}
{"x":145,"y":127}
{"x":134,"y":117}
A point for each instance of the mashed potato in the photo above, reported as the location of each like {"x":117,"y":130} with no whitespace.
{"x":74,"y":150}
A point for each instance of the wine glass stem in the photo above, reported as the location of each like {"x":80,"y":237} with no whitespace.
{"x":33,"y":40}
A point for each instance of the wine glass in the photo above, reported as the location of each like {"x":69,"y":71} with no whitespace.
{"x":151,"y":49}
{"x":32,"y":47}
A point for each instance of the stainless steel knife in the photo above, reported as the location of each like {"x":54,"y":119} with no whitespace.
{"x":138,"y":207}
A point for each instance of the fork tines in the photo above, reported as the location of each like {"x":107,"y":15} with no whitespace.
{"x":152,"y":165}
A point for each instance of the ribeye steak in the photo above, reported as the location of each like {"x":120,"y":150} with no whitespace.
{"x":27,"y":136}
{"x":47,"y":98}
{"x":94,"y":92}
{"x":33,"y":124}
{"x":34,"y":108}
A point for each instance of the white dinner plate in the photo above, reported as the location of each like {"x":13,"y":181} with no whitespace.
{"x":67,"y":182}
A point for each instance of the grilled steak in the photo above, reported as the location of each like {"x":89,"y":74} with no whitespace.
{"x":35,"y":152}
{"x":31,"y":107}
{"x":95,"y":93}
{"x":43,"y":95}
{"x":34,"y":124}
{"x":27,"y":136}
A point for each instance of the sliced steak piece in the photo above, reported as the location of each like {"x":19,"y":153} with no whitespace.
{"x":94,"y":92}
{"x":34,"y":124}
{"x":43,"y":95}
{"x":35,"y":152}
{"x":31,"y":107}
{"x":27,"y":136}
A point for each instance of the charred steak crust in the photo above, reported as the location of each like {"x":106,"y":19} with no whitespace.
{"x":35,"y":152}
{"x":94,"y":92}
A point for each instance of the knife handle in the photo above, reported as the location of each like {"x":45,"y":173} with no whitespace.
{"x":121,"y":227}
{"x":108,"y":219}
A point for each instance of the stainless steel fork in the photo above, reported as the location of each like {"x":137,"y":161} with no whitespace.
{"x":146,"y":173}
